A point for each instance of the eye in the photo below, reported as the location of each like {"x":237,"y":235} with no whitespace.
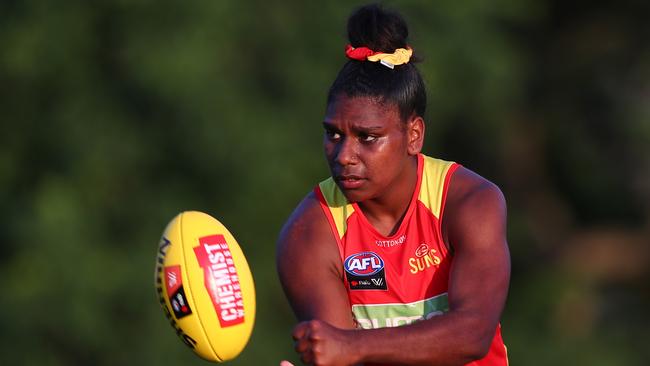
{"x":367,"y":138}
{"x":332,"y":135}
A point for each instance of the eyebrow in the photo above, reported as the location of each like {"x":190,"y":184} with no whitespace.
{"x":331,"y":126}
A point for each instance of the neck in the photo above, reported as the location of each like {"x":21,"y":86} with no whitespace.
{"x":387,"y":211}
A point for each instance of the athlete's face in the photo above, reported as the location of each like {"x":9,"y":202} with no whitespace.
{"x":368,"y":146}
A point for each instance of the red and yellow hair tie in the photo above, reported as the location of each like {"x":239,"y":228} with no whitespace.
{"x":399,"y":57}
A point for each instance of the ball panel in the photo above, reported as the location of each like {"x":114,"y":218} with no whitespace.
{"x":179,"y":304}
{"x":221,"y":283}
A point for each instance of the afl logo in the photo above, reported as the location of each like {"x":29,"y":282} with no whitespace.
{"x":363,"y":264}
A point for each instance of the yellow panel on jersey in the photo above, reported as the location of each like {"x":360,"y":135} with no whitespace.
{"x":432,"y":189}
{"x":338,"y":205}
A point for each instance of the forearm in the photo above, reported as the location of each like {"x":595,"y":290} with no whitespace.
{"x":450,"y":339}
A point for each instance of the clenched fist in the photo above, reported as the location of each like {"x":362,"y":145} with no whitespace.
{"x":321,"y":344}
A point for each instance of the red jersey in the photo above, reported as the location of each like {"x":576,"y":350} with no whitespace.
{"x":403,"y":278}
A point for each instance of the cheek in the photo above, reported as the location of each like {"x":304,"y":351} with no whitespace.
{"x":383,"y":150}
{"x":383,"y":158}
{"x":328,"y":148}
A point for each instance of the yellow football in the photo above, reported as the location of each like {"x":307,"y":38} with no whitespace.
{"x":205,"y":286}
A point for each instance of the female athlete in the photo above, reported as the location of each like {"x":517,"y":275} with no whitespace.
{"x":398,"y":258}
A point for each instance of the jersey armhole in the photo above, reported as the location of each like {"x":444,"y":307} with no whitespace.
{"x":330,"y":219}
{"x":443,"y":202}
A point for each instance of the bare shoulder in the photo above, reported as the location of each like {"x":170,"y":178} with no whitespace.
{"x":303,"y":215}
{"x":475,"y":206}
{"x":467,"y":187}
{"x":306,"y":233}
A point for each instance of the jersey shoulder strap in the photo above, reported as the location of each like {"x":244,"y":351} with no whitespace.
{"x":336,"y":207}
{"x":435,"y":183}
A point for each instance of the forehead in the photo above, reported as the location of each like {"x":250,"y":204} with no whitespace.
{"x":361,"y":111}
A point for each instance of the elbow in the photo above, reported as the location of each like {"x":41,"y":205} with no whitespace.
{"x":477,"y":351}
{"x":477,"y":346}
{"x":474,"y":336}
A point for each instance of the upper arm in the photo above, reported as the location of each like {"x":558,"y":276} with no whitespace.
{"x":309,"y":266}
{"x":475,"y":225}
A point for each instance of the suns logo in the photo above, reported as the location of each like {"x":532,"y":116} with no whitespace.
{"x":424,"y":259}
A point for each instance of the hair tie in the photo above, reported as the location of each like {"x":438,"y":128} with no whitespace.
{"x":390,"y":60}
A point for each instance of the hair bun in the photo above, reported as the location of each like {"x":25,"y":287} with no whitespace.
{"x":379,"y":29}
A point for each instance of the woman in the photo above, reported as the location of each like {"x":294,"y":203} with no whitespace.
{"x":398,"y":258}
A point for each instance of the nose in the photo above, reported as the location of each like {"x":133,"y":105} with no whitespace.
{"x":347,"y":152}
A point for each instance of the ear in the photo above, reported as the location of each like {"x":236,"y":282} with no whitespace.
{"x":415,"y":135}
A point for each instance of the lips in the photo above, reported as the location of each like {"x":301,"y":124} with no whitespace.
{"x":350,"y":181}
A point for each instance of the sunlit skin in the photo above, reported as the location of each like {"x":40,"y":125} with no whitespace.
{"x":372,"y":155}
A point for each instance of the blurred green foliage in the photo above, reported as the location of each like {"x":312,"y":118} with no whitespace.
{"x":116,"y":115}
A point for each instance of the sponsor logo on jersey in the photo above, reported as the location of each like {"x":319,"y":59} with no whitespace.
{"x":391,"y":243}
{"x":369,"y":316}
{"x":424,"y":259}
{"x":365,"y":271}
{"x":221,"y":280}
{"x":397,"y":321}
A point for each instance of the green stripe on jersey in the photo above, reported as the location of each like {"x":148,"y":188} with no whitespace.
{"x":393,"y":315}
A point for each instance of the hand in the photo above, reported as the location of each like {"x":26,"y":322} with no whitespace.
{"x":319,"y":343}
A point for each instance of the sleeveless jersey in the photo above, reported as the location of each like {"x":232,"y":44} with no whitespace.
{"x":400,"y":279}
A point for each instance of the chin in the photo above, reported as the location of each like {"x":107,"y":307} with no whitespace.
{"x":355,"y":196}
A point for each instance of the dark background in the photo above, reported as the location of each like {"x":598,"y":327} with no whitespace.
{"x":117,"y":115}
